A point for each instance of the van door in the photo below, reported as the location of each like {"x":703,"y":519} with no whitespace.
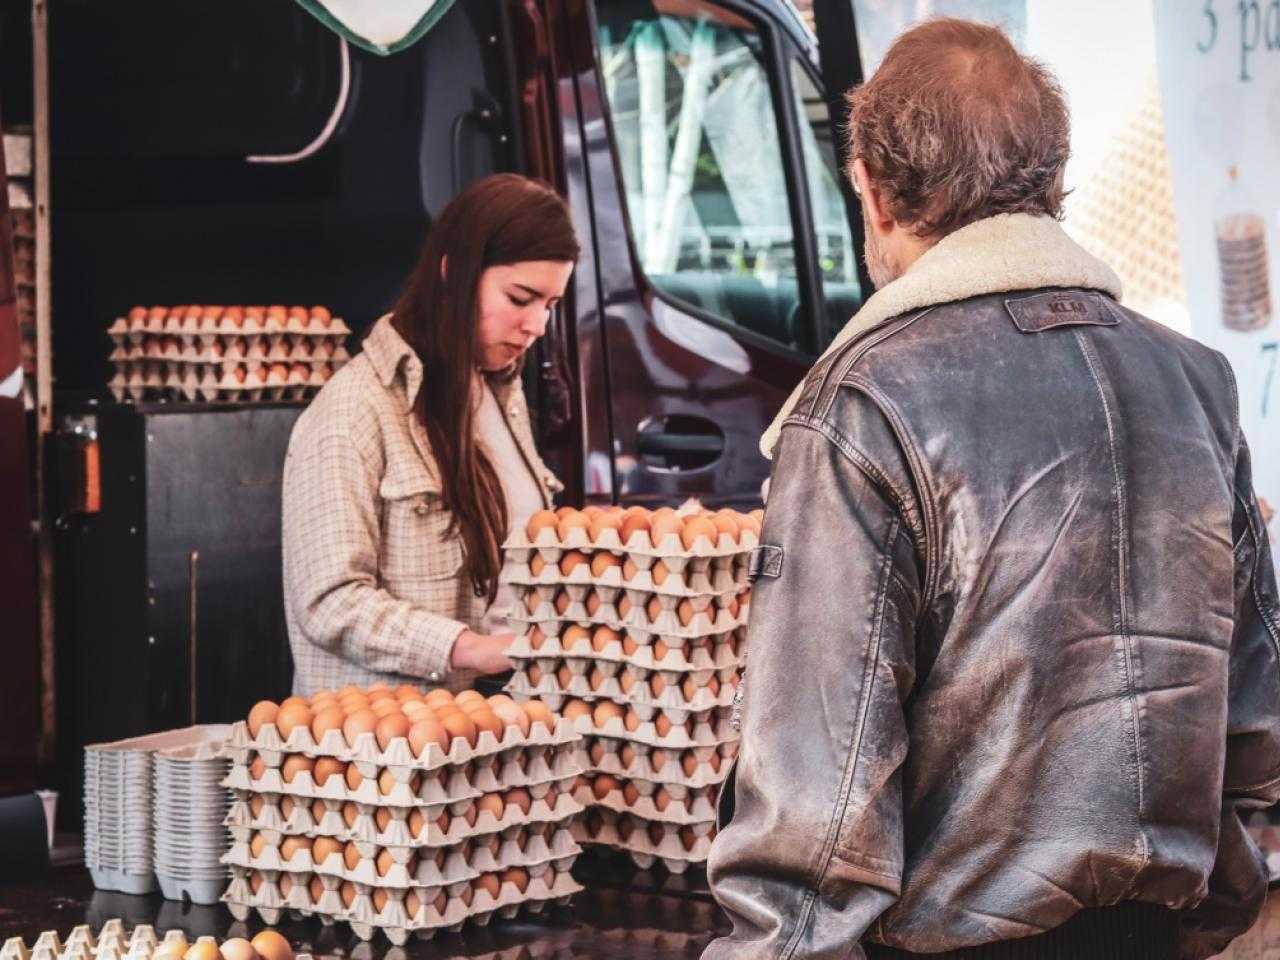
{"x":722,"y":242}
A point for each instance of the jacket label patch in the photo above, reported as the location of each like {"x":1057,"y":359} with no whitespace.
{"x":766,"y":561}
{"x":1062,"y":308}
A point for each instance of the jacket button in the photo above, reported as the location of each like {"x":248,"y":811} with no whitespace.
{"x":434,"y":676}
{"x":420,"y":508}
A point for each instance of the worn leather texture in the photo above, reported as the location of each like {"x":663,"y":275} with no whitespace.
{"x":1014,"y":652}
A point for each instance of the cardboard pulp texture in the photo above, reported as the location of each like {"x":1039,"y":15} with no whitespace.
{"x":222,"y":356}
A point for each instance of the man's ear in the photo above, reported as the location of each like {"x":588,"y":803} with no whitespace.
{"x":873,"y":199}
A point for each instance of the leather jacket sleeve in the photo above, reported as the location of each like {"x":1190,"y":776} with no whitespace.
{"x":814,"y":850}
{"x":1251,"y":772}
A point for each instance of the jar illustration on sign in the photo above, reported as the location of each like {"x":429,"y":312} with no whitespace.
{"x":1242,"y":260}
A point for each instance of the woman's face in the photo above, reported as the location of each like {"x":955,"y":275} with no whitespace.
{"x":514,"y":302}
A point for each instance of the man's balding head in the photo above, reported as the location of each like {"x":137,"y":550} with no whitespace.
{"x":956,"y":125}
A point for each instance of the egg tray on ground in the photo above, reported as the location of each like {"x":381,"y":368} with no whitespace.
{"x":639,"y":547}
{"x":210,"y":387}
{"x":443,"y":785}
{"x":693,"y":582}
{"x":185,"y":324}
{"x":550,"y":887}
{"x":530,"y":845}
{"x":545,"y":807}
{"x":650,"y":768}
{"x":605,"y":827}
{"x":672,"y":700}
{"x":711,"y":620}
{"x":398,"y":755}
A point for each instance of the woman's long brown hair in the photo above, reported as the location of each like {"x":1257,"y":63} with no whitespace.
{"x":499,"y":220}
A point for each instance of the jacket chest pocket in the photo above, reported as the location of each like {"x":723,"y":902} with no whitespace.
{"x":416,"y":543}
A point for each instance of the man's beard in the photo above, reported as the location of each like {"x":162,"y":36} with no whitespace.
{"x":881,"y":265}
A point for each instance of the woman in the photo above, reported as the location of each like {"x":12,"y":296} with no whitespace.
{"x":410,"y":467}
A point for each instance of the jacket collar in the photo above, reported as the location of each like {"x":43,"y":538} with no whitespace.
{"x":387,"y":351}
{"x":1012,"y":251}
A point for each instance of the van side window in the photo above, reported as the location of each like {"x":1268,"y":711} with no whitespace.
{"x":837,"y":259}
{"x":702,"y":167}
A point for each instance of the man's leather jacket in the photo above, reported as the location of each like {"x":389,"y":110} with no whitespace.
{"x":1013,"y":642}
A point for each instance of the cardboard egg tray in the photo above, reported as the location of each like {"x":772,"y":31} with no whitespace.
{"x":700,"y":732}
{"x":696,"y":806}
{"x":140,"y":379}
{"x":677,"y":848}
{"x":475,"y":905}
{"x":699,"y":655}
{"x":553,"y":615}
{"x":671,"y":701}
{"x":639,"y":547}
{"x":207,"y":323}
{"x":551,"y":802}
{"x":633,"y":679}
{"x":110,"y":943}
{"x":693,"y":581}
{"x":398,"y":757}
{"x":651,"y":768}
{"x":252,"y":351}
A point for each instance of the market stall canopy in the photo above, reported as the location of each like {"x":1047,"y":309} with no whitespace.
{"x":383,"y":28}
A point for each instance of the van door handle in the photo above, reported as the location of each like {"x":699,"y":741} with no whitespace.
{"x":680,"y":442}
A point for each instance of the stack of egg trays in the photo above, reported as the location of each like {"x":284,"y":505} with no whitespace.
{"x":109,"y":944}
{"x":545,"y":763}
{"x":236,"y":354}
{"x":189,"y":808}
{"x":699,"y":671}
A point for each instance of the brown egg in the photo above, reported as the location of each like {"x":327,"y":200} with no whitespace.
{"x":658,"y":760}
{"x":326,"y":767}
{"x":627,"y":756}
{"x":263,"y":712}
{"x":596,"y":752}
{"x":348,"y":893}
{"x":685,"y":612}
{"x":386,"y":707}
{"x":603,"y":562}
{"x":696,"y":527}
{"x":661,"y":799}
{"x":360,"y":722}
{"x":542,"y":520}
{"x":378,"y":899}
{"x":382,"y":818}
{"x":663,"y":647}
{"x":460,"y":725}
{"x":516,"y":875}
{"x":532,"y":601}
{"x":689,"y":688}
{"x":605,"y":711}
{"x":726,"y":521}
{"x":539,"y":713}
{"x":564,"y":676}
{"x":663,"y":525}
{"x":293,"y":701}
{"x":592,"y":603}
{"x":662,"y":724}
{"x":354,"y":704}
{"x":291,"y":845}
{"x":626,"y":826}
{"x":285,"y":883}
{"x":486,"y":719}
{"x":715,"y":762}
{"x":271,"y":946}
{"x":536,"y":638}
{"x":292,"y":716}
{"x":256,"y":803}
{"x":571,"y":561}
{"x":629,"y":645}
{"x":349,"y":813}
{"x":509,"y":713}
{"x":631,"y":720}
{"x":597,"y":677}
{"x":661,"y":572}
{"x":294,"y":764}
{"x":416,"y":710}
{"x":657,"y":683}
{"x":390,"y":728}
{"x":537,"y":564}
{"x":688,"y":839}
{"x":562,"y":602}
{"x":602,"y":521}
{"x":323,"y":848}
{"x":603,"y":785}
{"x":286,"y":807}
{"x":534,"y":673}
{"x":575,"y":708}
{"x":439,"y":697}
{"x":387,"y":782}
{"x":316,"y":889}
{"x":574,"y":636}
{"x":633,"y":524}
{"x":238,"y":948}
{"x":375,"y":690}
{"x":571,"y":519}
{"x":656,"y":832}
{"x":425,"y":732}
{"x":412,"y":904}
{"x":384,"y":862}
{"x":493,"y":803}
{"x":351,"y":855}
{"x":354,"y":777}
{"x":519,"y":797}
{"x":257,"y":844}
{"x":689,"y":763}
{"x":489,"y":883}
{"x":624,"y":606}
{"x":468,"y":696}
{"x":407,"y":691}
{"x":416,"y":823}
{"x":603,"y":637}
{"x":653,"y":609}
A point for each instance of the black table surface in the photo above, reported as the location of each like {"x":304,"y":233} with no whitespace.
{"x":622,"y":914}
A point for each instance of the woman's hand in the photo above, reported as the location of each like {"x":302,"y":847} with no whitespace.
{"x":485,"y":652}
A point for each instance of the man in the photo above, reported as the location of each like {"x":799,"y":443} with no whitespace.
{"x":1013,"y":673}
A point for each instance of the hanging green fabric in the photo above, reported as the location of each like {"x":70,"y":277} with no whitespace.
{"x":379,"y":26}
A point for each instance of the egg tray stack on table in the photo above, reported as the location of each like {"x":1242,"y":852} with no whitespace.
{"x":401,"y":812}
{"x":225,"y":354}
{"x":632,"y":625}
{"x":111,"y":943}
{"x":153,"y":808}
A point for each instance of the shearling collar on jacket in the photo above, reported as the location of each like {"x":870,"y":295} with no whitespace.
{"x":1012,"y":251}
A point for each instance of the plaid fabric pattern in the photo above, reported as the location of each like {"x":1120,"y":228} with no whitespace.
{"x":374,"y":590}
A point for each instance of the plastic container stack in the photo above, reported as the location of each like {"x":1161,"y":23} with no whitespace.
{"x":631,"y":624}
{"x":225,"y":354}
{"x":122,"y":806}
{"x":190,"y":805}
{"x":401,"y":811}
